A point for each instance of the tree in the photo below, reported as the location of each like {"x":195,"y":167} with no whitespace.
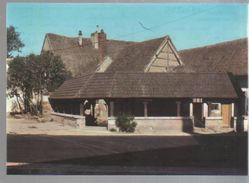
{"x":14,"y":43}
{"x":28,"y":78}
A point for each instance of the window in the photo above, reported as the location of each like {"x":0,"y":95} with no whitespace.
{"x":214,"y":109}
{"x":214,"y":106}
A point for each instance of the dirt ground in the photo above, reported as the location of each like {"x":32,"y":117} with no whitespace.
{"x":47,"y":127}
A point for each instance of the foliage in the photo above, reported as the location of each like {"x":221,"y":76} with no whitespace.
{"x":14,"y":43}
{"x":113,"y":130}
{"x":29,"y":77}
{"x":125,"y":122}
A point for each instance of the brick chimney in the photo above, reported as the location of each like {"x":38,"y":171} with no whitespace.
{"x":80,"y":38}
{"x":99,"y":40}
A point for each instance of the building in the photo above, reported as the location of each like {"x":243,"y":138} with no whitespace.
{"x":164,"y":88}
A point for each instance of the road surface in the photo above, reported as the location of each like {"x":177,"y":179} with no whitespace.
{"x":142,"y":155}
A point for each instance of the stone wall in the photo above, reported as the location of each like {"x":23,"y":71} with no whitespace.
{"x":214,"y":123}
{"x":243,"y":127}
{"x":67,"y":119}
{"x":158,"y":124}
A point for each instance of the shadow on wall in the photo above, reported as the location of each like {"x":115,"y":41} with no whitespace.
{"x":187,"y":125}
{"x":239,"y":122}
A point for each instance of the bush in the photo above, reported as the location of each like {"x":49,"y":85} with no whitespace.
{"x":113,"y":130}
{"x":125,"y":122}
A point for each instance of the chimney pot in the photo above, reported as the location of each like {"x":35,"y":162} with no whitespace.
{"x":80,"y":38}
{"x":99,"y":40}
{"x":97,"y":26}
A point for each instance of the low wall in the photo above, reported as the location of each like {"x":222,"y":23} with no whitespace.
{"x":213,"y":122}
{"x":76,"y":121}
{"x":158,"y":124}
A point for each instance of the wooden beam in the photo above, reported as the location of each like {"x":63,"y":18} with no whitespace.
{"x":167,"y":52}
{"x":161,"y":58}
{"x":158,"y":66}
{"x":145,"y":108}
{"x":205,"y":109}
{"x":82,"y":109}
{"x":178,"y":108}
{"x":111,"y":108}
{"x":191,"y":109}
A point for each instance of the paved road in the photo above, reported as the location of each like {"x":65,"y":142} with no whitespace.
{"x":30,"y":148}
{"x":126,"y":154}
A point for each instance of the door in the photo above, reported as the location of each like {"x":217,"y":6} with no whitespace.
{"x":226,"y":114}
{"x":197,"y":112}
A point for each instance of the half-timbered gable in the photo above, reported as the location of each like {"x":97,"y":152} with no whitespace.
{"x":166,"y":58}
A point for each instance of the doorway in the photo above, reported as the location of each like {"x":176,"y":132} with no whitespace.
{"x":197,"y":113}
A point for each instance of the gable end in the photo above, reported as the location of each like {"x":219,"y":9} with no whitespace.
{"x":165,"y":59}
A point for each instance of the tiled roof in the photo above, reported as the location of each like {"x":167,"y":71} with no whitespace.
{"x":229,"y":56}
{"x":147,"y":85}
{"x":81,"y":60}
{"x":136,"y":56}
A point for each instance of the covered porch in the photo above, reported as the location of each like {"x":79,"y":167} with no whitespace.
{"x":155,"y":114}
{"x":162,"y":101}
{"x":175,"y":114}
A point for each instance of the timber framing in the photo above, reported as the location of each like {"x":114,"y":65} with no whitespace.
{"x":167,"y":42}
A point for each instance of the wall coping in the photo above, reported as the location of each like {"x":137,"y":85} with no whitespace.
{"x":214,"y":117}
{"x":156,"y":118}
{"x":68,"y":115}
{"x":244,"y":117}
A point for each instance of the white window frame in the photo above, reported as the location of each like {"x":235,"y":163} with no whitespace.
{"x":217,"y":110}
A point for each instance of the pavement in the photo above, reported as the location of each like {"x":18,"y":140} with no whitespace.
{"x":51,"y":148}
{"x":65,"y":169}
{"x":121,"y":155}
{"x":71,"y":147}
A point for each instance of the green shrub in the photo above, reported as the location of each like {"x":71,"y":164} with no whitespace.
{"x":125,"y":122}
{"x":113,"y":130}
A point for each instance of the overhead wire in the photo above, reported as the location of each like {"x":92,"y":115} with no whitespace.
{"x":144,"y":30}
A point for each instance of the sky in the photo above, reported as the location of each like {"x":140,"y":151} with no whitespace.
{"x":188,"y":25}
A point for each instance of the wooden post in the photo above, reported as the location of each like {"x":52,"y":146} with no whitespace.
{"x":111,"y":108}
{"x":233,"y":110}
{"x":145,"y":109}
{"x":94,"y":104}
{"x":63,"y":108}
{"x":205,"y":110}
{"x":81,"y":109}
{"x":191,"y":109}
{"x":178,"y":108}
{"x":71,"y":108}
